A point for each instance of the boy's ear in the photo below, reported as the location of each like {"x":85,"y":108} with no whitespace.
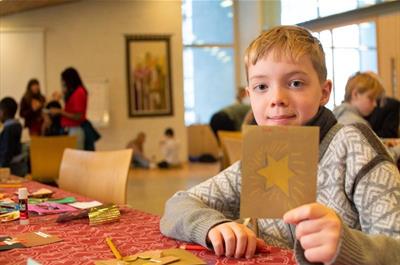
{"x":354,"y":94}
{"x":326,"y":92}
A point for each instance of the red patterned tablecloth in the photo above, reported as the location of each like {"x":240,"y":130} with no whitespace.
{"x":83,"y":244}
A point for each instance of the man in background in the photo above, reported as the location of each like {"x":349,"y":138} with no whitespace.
{"x":231,"y":117}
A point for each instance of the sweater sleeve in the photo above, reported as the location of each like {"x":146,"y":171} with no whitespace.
{"x":372,"y":190}
{"x":377,"y":199}
{"x":360,"y":248}
{"x":189,"y":215}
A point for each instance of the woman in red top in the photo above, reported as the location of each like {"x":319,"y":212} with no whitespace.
{"x":31,"y":107}
{"x":74,"y":112}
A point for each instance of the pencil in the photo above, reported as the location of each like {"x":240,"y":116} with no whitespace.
{"x":199,"y":247}
{"x":113,"y":248}
{"x":192,"y":247}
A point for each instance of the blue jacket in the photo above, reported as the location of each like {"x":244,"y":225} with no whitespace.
{"x":10,"y":142}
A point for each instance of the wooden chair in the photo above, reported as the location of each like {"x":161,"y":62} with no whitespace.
{"x":201,"y":140}
{"x":231,"y":145}
{"x":45,"y":156}
{"x":99,"y":175}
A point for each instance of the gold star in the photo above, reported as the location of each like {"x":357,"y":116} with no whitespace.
{"x":277,"y":173}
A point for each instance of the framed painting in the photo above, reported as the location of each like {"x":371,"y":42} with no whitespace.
{"x":149,"y":75}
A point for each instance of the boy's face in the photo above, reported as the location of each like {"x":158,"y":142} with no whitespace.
{"x":284,"y":92}
{"x":364,"y":102}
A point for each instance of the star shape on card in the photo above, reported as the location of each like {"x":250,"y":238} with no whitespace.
{"x":277,"y":173}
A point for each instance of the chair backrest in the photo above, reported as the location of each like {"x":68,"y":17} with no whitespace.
{"x":201,"y":140}
{"x":45,"y":155}
{"x":231,"y":144}
{"x":100,"y":175}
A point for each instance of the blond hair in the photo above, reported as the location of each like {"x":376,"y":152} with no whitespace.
{"x":292,"y":42}
{"x":363,"y":82}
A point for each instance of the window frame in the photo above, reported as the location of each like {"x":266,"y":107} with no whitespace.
{"x":233,"y":46}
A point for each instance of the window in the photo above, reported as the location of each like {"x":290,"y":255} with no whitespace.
{"x":295,"y":11}
{"x":208,"y":58}
{"x":348,"y":49}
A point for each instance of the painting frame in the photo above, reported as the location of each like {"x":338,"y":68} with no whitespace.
{"x":149,"y":83}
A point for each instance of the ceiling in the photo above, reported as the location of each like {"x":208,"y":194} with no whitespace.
{"x":8,"y":7}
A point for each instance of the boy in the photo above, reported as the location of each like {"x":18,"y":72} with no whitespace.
{"x":170,"y":150}
{"x":358,"y":184}
{"x":362,"y":92}
{"x":231,"y":117}
{"x":10,"y":137}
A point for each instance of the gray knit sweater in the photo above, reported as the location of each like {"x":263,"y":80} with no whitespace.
{"x":355,"y":178}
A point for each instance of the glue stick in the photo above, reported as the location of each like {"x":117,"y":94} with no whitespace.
{"x":23,"y":206}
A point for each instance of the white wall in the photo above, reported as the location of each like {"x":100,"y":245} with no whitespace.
{"x":21,"y":57}
{"x":249,"y":27}
{"x":89,"y":35}
{"x":253,"y":18}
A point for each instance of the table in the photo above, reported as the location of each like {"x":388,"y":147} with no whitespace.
{"x":83,"y":244}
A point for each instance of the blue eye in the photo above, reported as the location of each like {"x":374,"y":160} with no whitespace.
{"x":296,"y":84}
{"x":260,"y":87}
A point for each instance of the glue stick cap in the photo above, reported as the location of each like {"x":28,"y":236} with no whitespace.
{"x":22,"y":193}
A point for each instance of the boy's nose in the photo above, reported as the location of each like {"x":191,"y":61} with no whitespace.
{"x":278,"y":97}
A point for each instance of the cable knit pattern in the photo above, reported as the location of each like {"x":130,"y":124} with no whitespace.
{"x":356,"y":178}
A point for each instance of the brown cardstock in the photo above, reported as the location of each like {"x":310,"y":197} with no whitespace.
{"x":185,"y":258}
{"x":36,"y":239}
{"x":279,"y":169}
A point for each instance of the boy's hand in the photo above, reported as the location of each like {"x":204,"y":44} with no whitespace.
{"x":318,"y":230}
{"x":234,"y":239}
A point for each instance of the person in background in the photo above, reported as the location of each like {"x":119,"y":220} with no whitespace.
{"x":74,"y":113}
{"x":10,"y":138}
{"x":139,"y":159}
{"x":170,"y":150}
{"x":31,"y":107}
{"x":52,"y":124}
{"x":231,"y":117}
{"x":362,"y":91}
{"x":356,"y":217}
{"x":385,"y":118}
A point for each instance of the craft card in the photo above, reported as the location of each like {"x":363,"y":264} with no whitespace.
{"x":32,"y":262}
{"x":10,"y":216}
{"x":279,"y":169}
{"x":41,"y":193}
{"x":69,"y":216}
{"x":59,"y":200}
{"x":36,"y":239}
{"x":85,"y":205}
{"x":173,"y":256}
{"x":7,"y":205}
{"x":7,"y":243}
{"x":50,"y":208}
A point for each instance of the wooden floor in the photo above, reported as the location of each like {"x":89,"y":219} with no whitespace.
{"x":148,"y":189}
